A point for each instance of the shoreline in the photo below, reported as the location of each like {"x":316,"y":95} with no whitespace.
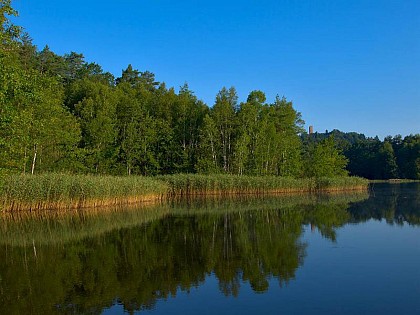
{"x":65,"y":192}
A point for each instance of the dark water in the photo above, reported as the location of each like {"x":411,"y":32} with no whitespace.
{"x":337,"y":254}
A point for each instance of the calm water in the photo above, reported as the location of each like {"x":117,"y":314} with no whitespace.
{"x":340,"y":254}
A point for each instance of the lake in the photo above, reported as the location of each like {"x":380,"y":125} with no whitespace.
{"x":324,"y":254}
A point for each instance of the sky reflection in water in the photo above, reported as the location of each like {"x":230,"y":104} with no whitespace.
{"x":289,"y":255}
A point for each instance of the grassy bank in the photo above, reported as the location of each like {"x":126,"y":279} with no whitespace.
{"x":60,"y":191}
{"x":193,"y":184}
{"x":63,"y":191}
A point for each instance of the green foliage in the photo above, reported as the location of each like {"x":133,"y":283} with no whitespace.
{"x":288,"y":124}
{"x":324,"y":159}
{"x":407,"y":154}
{"x":33,"y":121}
{"x":223,"y":114}
{"x":61,"y":113}
{"x":386,"y":159}
{"x":395,"y":157}
{"x":8,"y":32}
{"x":208,"y":161}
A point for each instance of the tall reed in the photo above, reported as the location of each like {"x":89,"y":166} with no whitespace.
{"x":62,"y":191}
{"x":195,"y":184}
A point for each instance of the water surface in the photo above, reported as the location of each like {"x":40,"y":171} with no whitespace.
{"x":335,"y":254}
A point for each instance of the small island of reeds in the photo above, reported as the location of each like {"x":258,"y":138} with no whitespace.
{"x":64,"y":191}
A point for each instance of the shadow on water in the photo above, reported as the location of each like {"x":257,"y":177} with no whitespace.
{"x":86,"y":261}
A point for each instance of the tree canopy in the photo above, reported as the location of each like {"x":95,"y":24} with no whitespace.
{"x":62,"y":113}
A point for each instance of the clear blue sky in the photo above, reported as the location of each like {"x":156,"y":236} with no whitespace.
{"x":352,"y":65}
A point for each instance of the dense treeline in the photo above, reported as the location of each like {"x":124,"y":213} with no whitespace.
{"x":61,"y":113}
{"x":395,"y":157}
{"x":64,"y":114}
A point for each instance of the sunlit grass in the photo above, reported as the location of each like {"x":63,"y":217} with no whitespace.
{"x":64,"y":191}
{"x":58,"y":191}
{"x":187,"y":184}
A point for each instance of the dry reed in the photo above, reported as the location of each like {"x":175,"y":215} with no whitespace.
{"x":63,"y":191}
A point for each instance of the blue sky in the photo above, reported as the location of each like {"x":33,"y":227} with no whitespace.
{"x":349,"y":65}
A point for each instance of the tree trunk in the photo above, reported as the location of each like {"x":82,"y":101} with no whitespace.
{"x":34,"y":159}
{"x":24,"y":161}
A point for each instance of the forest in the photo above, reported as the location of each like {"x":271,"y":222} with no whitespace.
{"x":64,"y":114}
{"x":394,"y":157}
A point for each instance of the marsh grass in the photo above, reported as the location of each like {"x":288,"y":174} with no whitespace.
{"x":64,"y":191}
{"x":340,"y":183}
{"x":193,"y":184}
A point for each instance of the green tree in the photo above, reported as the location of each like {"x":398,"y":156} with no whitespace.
{"x":386,"y":164}
{"x":362,"y":158}
{"x":288,"y":124}
{"x":53,"y":133}
{"x":27,"y":52}
{"x":209,"y":148}
{"x":9,"y":33}
{"x":50,"y":63}
{"x":266,"y":144}
{"x":97,"y":114}
{"x":36,"y":131}
{"x":223,"y":114}
{"x":408,"y":157}
{"x":161,"y":107}
{"x":324,"y":159}
{"x":188,"y":114}
{"x":248,"y":133}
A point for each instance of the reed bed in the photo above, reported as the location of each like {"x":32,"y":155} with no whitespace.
{"x":194,"y":184}
{"x":62,"y":191}
{"x":331,"y":184}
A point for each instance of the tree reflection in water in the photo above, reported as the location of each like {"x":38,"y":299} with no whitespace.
{"x":83,"y":263}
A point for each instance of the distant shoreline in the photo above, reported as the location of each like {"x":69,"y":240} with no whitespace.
{"x":393,"y":181}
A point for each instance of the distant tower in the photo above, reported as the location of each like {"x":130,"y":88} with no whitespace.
{"x":311,"y":130}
